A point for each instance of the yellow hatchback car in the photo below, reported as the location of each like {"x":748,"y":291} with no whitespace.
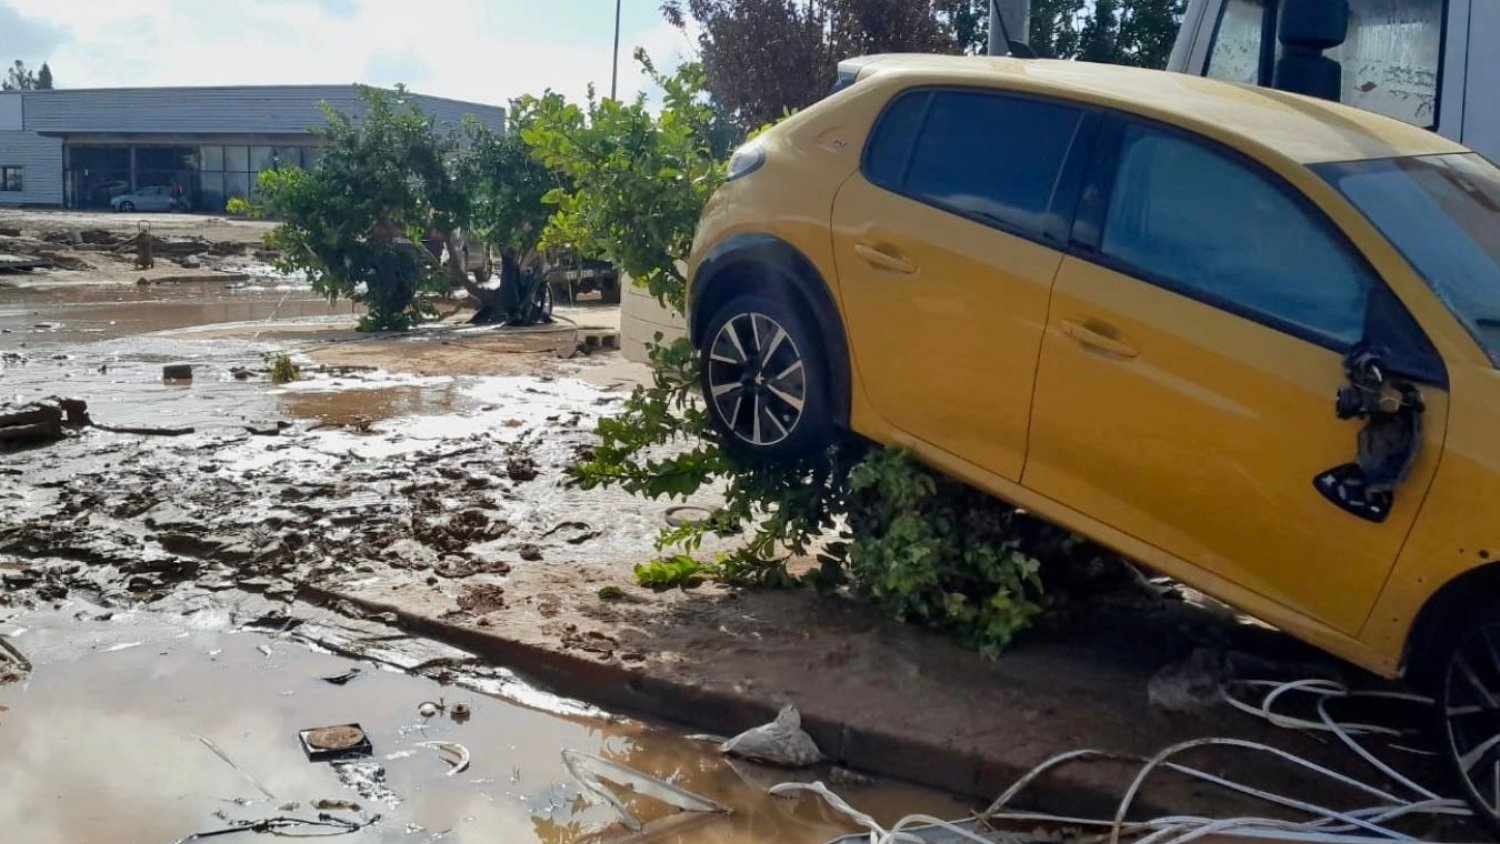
{"x":1248,"y":338}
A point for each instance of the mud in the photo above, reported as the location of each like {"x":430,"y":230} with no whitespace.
{"x":105,"y":743}
{"x":84,"y":248}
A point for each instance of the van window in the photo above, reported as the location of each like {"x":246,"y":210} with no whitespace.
{"x":1390,"y":58}
{"x":989,"y":157}
{"x":1236,"y":55}
{"x":1203,"y":224}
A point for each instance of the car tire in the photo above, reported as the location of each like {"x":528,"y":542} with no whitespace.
{"x":127,"y":207}
{"x":765,"y":379}
{"x":1467,"y":684}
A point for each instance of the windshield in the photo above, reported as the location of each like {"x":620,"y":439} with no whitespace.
{"x":1443,"y":213}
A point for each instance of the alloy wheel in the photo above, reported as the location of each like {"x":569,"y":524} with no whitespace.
{"x":1471,"y":715}
{"x":757,"y":379}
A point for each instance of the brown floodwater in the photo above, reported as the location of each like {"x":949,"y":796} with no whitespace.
{"x":102,"y":745}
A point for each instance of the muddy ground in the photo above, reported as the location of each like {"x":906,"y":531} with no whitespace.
{"x":417,"y":483}
{"x":46,"y":249}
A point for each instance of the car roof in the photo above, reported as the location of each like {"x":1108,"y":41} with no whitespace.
{"x":1303,"y":129}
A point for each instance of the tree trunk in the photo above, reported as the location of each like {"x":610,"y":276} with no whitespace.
{"x":496,"y":305}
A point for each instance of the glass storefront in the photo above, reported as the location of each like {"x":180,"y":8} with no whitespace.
{"x":208,"y":176}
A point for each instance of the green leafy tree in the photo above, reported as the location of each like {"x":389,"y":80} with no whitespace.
{"x":354,"y":223}
{"x":508,"y":185}
{"x":44,"y":78}
{"x":636,"y":181}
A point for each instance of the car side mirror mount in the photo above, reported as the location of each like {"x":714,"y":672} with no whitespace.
{"x":1387,"y":446}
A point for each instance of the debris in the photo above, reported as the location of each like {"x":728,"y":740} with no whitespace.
{"x":147,"y":432}
{"x":521,"y":469}
{"x":1193,"y":684}
{"x":611,"y":593}
{"x":460,"y":712}
{"x":368,"y":780}
{"x":13,"y":665}
{"x":341,"y":741}
{"x":481,"y":598}
{"x":237,"y":769}
{"x":274,"y":825}
{"x":427,"y":708}
{"x":343,"y":679}
{"x":456,"y":754}
{"x":592,"y":771}
{"x":781,"y":742}
{"x":335,"y":805}
{"x":177,"y":372}
{"x":530,"y":553}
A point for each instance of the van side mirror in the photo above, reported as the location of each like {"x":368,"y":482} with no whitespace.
{"x":1305,"y":29}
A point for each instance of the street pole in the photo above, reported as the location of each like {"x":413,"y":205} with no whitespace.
{"x":614,"y":78}
{"x":1016,"y":17}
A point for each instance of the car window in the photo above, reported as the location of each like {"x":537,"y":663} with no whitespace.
{"x":1443,"y":213}
{"x":990,"y":157}
{"x":890,"y":144}
{"x":1212,"y":227}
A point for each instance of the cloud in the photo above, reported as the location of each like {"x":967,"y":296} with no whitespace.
{"x":28,"y":39}
{"x":485,"y":51}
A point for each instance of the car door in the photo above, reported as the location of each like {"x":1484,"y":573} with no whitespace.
{"x":151,"y":199}
{"x":1185,"y":389}
{"x":946,"y":243}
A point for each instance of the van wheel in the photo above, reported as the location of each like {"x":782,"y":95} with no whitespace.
{"x":765,"y":379}
{"x":1468,"y":700}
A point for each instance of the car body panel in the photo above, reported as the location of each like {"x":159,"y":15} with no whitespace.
{"x":1242,"y":400}
{"x":966,"y":382}
{"x":1206,"y":443}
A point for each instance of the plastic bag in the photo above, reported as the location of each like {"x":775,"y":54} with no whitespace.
{"x":781,"y":742}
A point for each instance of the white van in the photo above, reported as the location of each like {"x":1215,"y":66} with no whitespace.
{"x":1432,"y":63}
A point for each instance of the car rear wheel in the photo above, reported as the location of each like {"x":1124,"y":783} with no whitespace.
{"x":765,"y":379}
{"x":127,"y":207}
{"x":1468,"y":699}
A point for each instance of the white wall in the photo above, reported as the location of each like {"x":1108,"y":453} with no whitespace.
{"x":42,"y":160}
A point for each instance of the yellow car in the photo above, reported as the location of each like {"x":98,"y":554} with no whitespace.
{"x":1246,"y":337}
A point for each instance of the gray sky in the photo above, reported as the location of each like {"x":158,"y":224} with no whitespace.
{"x":480,"y":50}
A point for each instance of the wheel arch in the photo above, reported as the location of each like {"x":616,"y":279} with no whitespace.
{"x":1442,"y":612}
{"x":769,"y":266}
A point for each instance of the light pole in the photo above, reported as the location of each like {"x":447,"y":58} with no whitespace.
{"x":614,"y":77}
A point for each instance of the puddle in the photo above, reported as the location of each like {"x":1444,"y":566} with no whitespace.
{"x":102,"y":745}
{"x":44,"y":318}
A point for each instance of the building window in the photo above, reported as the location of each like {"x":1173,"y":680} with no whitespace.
{"x":10,"y":179}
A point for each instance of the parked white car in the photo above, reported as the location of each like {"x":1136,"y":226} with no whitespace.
{"x":155,"y":198}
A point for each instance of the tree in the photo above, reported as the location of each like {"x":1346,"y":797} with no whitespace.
{"x":509,"y":186}
{"x":354,"y":224}
{"x":21,"y":78}
{"x":44,"y":78}
{"x":767,"y":57}
{"x":635,"y":181}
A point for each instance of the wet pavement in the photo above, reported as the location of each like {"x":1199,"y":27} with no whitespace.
{"x":104,"y":743}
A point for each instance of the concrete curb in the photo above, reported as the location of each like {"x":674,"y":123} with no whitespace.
{"x":630,"y":691}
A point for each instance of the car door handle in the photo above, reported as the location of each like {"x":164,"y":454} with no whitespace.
{"x":1094,"y":339}
{"x":884,"y":258}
